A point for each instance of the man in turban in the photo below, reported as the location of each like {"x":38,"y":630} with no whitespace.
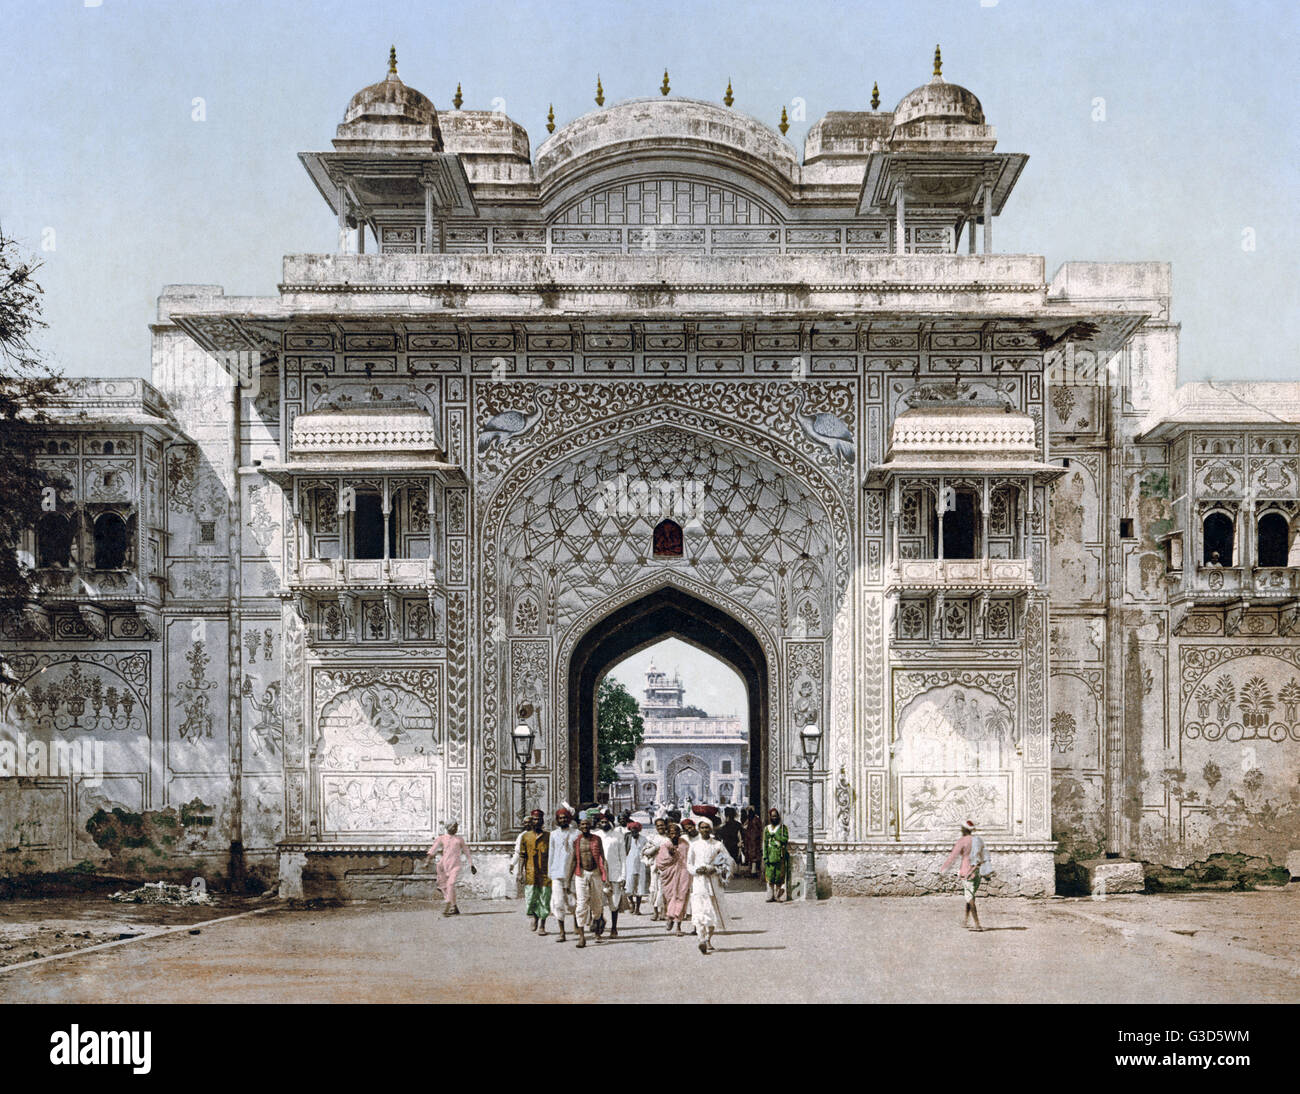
{"x":776,"y":856}
{"x":559,"y":859}
{"x":589,"y":877}
{"x":634,"y":873}
{"x":970,"y":849}
{"x":653,"y":842}
{"x":533,"y":846}
{"x":614,"y":843}
{"x":709,"y":865}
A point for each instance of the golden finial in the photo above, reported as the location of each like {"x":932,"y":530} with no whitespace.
{"x":600,"y":92}
{"x":459,"y":98}
{"x":728,"y":98}
{"x":663,"y":88}
{"x":785,"y":123}
{"x":875,"y":96}
{"x":550,"y":119}
{"x":392,"y":60}
{"x":938,"y":63}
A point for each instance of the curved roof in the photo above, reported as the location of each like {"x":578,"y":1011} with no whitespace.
{"x":671,"y":127}
{"x":939,"y":101}
{"x":394,"y":108}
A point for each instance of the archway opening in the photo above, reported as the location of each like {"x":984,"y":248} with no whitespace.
{"x":668,"y":613}
{"x":695,"y":731}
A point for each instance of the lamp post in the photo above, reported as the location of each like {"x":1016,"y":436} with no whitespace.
{"x":810,"y":740}
{"x":522,"y":738}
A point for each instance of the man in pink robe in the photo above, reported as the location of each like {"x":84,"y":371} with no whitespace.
{"x":670,"y":860}
{"x":450,"y":847}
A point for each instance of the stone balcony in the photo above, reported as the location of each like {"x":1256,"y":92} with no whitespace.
{"x":946,"y":574}
{"x":93,"y":596}
{"x":1222,"y":584}
{"x":342,"y":574}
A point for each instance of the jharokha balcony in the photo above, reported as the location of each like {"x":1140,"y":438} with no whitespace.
{"x":365,"y":573}
{"x":949,"y":574}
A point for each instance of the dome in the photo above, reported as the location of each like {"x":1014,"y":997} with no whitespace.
{"x":939,"y":101}
{"x":391,"y":102}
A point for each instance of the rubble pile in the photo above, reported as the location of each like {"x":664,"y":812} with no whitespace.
{"x":160,"y":892}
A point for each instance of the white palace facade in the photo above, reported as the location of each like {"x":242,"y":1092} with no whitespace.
{"x":304,"y":583}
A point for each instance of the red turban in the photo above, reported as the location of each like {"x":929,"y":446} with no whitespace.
{"x":562,"y":813}
{"x":634,"y":826}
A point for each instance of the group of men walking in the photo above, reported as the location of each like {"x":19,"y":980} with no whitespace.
{"x":680,"y":867}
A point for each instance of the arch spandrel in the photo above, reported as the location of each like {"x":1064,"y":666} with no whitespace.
{"x":822,"y":478}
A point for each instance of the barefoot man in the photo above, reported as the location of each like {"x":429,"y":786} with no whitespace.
{"x":969,"y":872}
{"x":450,"y":847}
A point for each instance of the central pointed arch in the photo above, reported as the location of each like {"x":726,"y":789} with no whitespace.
{"x":665,"y":612}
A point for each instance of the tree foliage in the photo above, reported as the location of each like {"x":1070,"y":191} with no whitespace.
{"x":619,"y":728}
{"x":26,"y":386}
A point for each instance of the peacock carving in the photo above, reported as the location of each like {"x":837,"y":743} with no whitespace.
{"x":507,"y":426}
{"x":826,"y":429}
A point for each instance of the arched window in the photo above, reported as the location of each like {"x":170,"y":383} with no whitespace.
{"x":108,"y":448}
{"x":1218,"y":535}
{"x":668,"y":539}
{"x":110,"y":542}
{"x":1272,"y":542}
{"x":53,"y":540}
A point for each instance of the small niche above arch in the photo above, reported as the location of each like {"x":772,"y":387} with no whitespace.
{"x":667,"y":540}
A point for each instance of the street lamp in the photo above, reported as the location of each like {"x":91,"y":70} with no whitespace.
{"x":522,"y":738}
{"x":810,"y":740}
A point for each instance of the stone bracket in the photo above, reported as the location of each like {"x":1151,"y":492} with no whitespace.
{"x":95,"y":619}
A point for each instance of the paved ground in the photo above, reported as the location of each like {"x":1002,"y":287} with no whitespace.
{"x":1220,"y":947}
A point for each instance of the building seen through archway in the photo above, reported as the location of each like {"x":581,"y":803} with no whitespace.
{"x":695,"y":746}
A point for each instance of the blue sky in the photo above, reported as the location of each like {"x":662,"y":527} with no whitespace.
{"x":106,"y":164}
{"x":710,"y":684}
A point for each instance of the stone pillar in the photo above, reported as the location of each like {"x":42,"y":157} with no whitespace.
{"x":988,"y":218}
{"x":343,"y":221}
{"x":428,"y":218}
{"x":900,"y":225}
{"x":970,"y":235}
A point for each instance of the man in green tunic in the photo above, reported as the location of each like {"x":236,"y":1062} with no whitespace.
{"x":776,"y":856}
{"x":537,"y":885}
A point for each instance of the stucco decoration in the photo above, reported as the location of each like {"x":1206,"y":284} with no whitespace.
{"x":577,"y":529}
{"x":373,"y":719}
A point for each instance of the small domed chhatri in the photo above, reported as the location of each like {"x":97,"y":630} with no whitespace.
{"x":939,"y":101}
{"x":391,"y":103}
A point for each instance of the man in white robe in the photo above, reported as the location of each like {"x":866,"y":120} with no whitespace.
{"x":709,"y":865}
{"x":614,"y":839}
{"x":635,"y":878}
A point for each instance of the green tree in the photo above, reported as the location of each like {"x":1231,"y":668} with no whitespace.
{"x":619,"y":728}
{"x":26,"y":385}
